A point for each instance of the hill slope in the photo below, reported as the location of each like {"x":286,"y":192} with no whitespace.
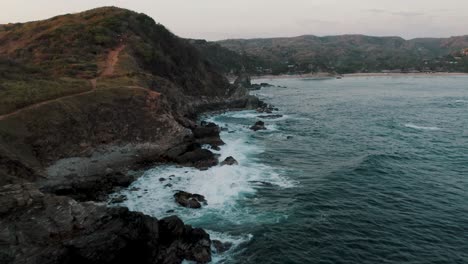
{"x":92,"y":64}
{"x":354,"y":53}
{"x":84,"y":98}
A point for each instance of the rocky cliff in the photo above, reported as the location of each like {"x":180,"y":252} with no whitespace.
{"x":90,"y":96}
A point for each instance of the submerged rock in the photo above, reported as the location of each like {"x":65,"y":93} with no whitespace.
{"x":270,"y":116}
{"x":190,"y":200}
{"x":118,"y":199}
{"x":259,"y":125}
{"x":221,"y":247}
{"x":229,"y":161}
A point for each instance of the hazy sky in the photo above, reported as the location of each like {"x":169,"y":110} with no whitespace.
{"x":221,"y":19}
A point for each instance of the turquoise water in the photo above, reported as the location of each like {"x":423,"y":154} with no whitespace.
{"x":358,"y":170}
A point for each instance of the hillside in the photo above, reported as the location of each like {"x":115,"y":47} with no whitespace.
{"x":102,"y":57}
{"x":354,"y":53}
{"x":227,"y":61}
{"x":85,"y":99}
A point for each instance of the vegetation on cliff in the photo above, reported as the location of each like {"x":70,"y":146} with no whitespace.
{"x":81,"y":79}
{"x":105,"y":82}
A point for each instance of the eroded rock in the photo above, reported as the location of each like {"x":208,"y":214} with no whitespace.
{"x":229,"y":161}
{"x":259,"y":125}
{"x":221,"y":247}
{"x":190,"y":200}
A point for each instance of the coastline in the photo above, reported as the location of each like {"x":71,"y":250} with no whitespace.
{"x":377,"y":74}
{"x":221,"y":185}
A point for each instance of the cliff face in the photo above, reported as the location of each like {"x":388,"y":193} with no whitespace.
{"x":109,"y":88}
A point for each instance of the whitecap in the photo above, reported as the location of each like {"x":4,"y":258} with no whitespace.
{"x":223,"y":186}
{"x":409,"y":125}
{"x":236,"y":241}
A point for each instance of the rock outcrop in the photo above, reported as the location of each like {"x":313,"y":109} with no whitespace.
{"x":259,"y":125}
{"x":229,"y":161}
{"x":58,"y":156}
{"x":44,"y":228}
{"x":190,"y":200}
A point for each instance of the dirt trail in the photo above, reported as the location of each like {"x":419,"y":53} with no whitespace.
{"x":111,"y":61}
{"x":109,"y":67}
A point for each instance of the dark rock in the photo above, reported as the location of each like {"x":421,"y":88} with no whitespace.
{"x":162,"y":179}
{"x":221,"y":247}
{"x":289,"y":137}
{"x":266,"y":85}
{"x":118,"y":199}
{"x":209,"y":130}
{"x":259,"y":125}
{"x":270,"y":116}
{"x":229,"y":161}
{"x":169,"y":185}
{"x":17,"y":196}
{"x":59,"y":230}
{"x":189,"y":200}
{"x":208,"y":133}
{"x":199,"y":158}
{"x":243,"y":81}
{"x":215,"y":148}
{"x":90,"y":187}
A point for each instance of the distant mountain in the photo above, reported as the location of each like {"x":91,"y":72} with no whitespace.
{"x":354,"y":53}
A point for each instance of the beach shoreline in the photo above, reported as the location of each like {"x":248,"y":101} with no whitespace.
{"x":377,"y":74}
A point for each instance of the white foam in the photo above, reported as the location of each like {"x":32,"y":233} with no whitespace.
{"x":236,"y":241}
{"x":461,"y":101}
{"x":226,"y":188}
{"x":421,"y":127}
{"x":223,"y":186}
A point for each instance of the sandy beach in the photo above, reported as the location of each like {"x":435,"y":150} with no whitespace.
{"x":377,"y":74}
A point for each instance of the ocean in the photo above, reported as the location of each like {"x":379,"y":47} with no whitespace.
{"x":357,"y":170}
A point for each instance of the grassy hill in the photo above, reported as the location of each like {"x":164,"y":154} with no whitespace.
{"x":105,"y":76}
{"x":354,"y":53}
{"x":51,"y":58}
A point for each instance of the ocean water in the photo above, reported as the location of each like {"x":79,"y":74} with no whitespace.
{"x":358,"y":170}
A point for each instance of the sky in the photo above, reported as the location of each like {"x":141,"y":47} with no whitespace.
{"x":227,"y":19}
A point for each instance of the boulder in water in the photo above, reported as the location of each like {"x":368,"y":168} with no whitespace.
{"x":259,"y":125}
{"x":229,"y":161}
{"x":221,"y":247}
{"x":270,"y":116}
{"x":190,"y":200}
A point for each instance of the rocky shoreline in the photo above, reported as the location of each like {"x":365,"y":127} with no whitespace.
{"x":62,"y":218}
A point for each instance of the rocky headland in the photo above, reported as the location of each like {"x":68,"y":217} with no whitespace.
{"x":61,"y":154}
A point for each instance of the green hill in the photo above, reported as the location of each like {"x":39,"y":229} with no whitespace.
{"x":107,"y":76}
{"x":354,"y":53}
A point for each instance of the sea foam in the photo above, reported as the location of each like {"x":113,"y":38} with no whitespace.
{"x":409,"y":125}
{"x":224,"y":187}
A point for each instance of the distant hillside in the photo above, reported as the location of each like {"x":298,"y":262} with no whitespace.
{"x":226,"y":60}
{"x":354,"y":53}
